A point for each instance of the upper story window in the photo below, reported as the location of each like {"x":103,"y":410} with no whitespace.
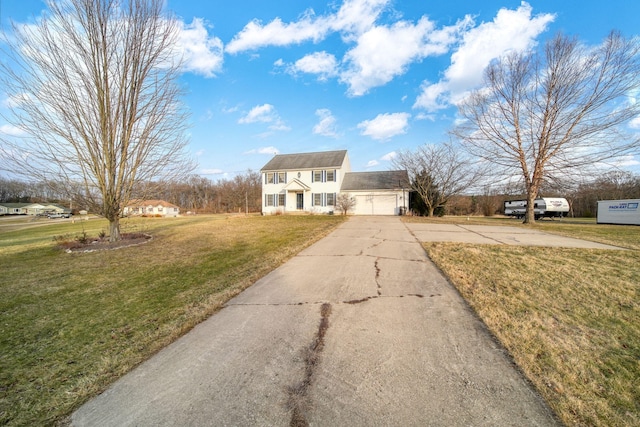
{"x":324,"y":175}
{"x":275,"y":178}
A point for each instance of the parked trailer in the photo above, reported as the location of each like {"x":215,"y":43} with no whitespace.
{"x":625,"y":212}
{"x":545,"y":207}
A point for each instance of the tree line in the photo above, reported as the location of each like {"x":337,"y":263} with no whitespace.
{"x":194,"y":194}
{"x":583,"y":198}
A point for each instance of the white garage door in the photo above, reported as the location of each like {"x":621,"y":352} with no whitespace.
{"x":376,"y":204}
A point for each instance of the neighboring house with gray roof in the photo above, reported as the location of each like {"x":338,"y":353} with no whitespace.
{"x":311,"y":182}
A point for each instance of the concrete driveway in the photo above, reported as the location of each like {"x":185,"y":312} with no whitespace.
{"x":359,"y":329}
{"x":496,"y":235}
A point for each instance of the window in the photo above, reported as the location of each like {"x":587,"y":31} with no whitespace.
{"x":270,"y":178}
{"x":317,"y":199}
{"x":159,"y":208}
{"x":331,"y":199}
{"x":268,"y":200}
{"x":282,"y":177}
{"x":281,"y":200}
{"x":324,"y":176}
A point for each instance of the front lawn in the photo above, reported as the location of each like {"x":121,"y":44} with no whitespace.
{"x":72,"y":323}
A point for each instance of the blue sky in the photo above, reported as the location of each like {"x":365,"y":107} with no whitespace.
{"x":370,"y":76}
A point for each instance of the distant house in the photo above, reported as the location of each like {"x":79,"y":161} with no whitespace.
{"x":31,"y":208}
{"x":14,"y":208}
{"x":150,"y":207}
{"x":311,"y":182}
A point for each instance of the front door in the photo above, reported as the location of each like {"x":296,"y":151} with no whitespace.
{"x":299,"y":201}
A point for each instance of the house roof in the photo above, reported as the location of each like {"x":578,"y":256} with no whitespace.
{"x":145,"y":203}
{"x":16,"y":205}
{"x":324,"y":159}
{"x":383,"y":180}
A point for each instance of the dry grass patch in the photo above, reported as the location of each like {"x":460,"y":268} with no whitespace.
{"x":569,"y":317}
{"x":624,"y":236}
{"x":72,"y":323}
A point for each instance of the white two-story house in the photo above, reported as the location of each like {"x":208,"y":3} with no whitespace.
{"x":306,"y":182}
{"x":311,"y":182}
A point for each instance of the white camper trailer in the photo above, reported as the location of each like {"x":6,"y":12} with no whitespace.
{"x":545,"y":207}
{"x":625,"y":212}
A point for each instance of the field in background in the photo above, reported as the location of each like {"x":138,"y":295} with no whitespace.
{"x":570,"y":318}
{"x":72,"y":323}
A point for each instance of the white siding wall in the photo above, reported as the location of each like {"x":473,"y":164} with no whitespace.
{"x":271,"y":190}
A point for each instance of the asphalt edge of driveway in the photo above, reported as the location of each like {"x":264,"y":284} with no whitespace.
{"x":490,"y":333}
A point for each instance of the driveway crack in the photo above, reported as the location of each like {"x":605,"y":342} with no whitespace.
{"x":377,"y":267}
{"x":299,"y":401}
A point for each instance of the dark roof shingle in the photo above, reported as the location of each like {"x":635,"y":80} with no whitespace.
{"x":383,"y":180}
{"x":324,"y":159}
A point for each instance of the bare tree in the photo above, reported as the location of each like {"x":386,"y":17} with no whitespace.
{"x":543,"y":115}
{"x":93,"y":86}
{"x":345,"y":202}
{"x":439,"y":172}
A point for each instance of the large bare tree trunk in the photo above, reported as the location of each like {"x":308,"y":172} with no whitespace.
{"x":114,"y":229}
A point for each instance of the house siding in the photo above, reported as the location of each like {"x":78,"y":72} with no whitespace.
{"x":302,"y":185}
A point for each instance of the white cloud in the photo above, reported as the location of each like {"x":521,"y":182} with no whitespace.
{"x":386,"y":158}
{"x":327,"y":124}
{"x":385,"y":126}
{"x":321,"y":63}
{"x":380,"y":53}
{"x":389,"y":156}
{"x":353,"y":17}
{"x":11,"y":130}
{"x":511,"y":30}
{"x":384,"y":52}
{"x":264,"y":113}
{"x":201,"y":54}
{"x":627,"y":161}
{"x":277,"y":33}
{"x":635,"y":123}
{"x":264,"y":150}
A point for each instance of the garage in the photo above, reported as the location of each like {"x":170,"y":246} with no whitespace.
{"x":377,"y":193}
{"x":376,"y":204}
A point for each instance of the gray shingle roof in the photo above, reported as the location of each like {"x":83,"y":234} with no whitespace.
{"x":383,"y":180}
{"x":324,"y":159}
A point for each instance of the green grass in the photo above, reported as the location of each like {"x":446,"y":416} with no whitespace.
{"x":72,"y":323}
{"x":569,"y":317}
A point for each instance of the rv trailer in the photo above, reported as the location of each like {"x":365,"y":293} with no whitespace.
{"x":545,"y":207}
